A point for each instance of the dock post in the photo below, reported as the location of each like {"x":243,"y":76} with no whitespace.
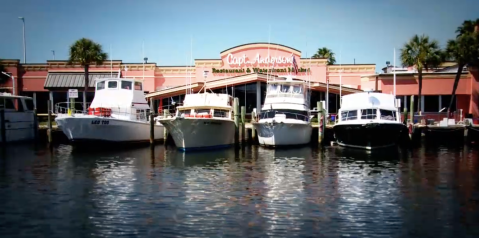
{"x":412,"y":109}
{"x":253,"y":132}
{"x":35,"y":125}
{"x":49,"y":131}
{"x":319,"y":106}
{"x":165,"y":132}
{"x":243,"y":124}
{"x":152,"y":128}
{"x":3,"y":130}
{"x":236,"y":119}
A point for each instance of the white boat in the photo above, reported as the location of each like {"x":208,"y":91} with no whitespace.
{"x":202,"y":122}
{"x":119,"y":112}
{"x":369,"y":120}
{"x":285,"y":117}
{"x":18,"y":118}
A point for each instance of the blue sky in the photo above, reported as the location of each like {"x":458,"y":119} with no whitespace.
{"x":365,"y":30}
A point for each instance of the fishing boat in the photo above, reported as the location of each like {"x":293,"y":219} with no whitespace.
{"x":285,"y":117}
{"x":17,"y":119}
{"x":119,"y":112}
{"x":203,"y":121}
{"x":369,"y":120}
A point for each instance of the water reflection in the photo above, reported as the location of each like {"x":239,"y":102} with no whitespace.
{"x":70,"y":191}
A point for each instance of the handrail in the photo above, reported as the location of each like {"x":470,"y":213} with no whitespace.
{"x":143,"y":115}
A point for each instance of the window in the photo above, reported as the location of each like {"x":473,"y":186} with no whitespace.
{"x":349,"y":115}
{"x":9,"y":103}
{"x":100,"y":85}
{"x":138,"y":86}
{"x":202,"y":111}
{"x":220,"y":113}
{"x":126,"y":85}
{"x":285,"y":88}
{"x":290,"y":114}
{"x":112,"y":84}
{"x":29,"y":104}
{"x":368,"y":113}
{"x":387,"y":115}
{"x":273,"y":87}
{"x":184,"y":112}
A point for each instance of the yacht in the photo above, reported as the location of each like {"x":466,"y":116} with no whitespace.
{"x":369,"y":120}
{"x":285,"y":117}
{"x":119,"y":112}
{"x":204,"y":121}
{"x":17,"y":119}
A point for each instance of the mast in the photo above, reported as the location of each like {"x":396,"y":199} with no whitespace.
{"x":394,"y":72}
{"x":340,"y":76}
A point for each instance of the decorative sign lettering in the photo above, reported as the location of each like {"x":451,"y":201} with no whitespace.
{"x":258,"y":70}
{"x":242,"y":60}
{"x":73,"y":93}
{"x":100,"y":122}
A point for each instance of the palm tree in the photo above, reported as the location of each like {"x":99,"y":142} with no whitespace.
{"x":464,"y":50}
{"x":422,"y":53}
{"x":325,"y":53}
{"x":86,"y":52}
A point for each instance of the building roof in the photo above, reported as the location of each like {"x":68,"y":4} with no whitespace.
{"x":74,"y":79}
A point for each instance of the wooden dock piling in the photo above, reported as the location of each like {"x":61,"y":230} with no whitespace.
{"x":243,"y":122}
{"x":3,"y":130}
{"x":49,"y":131}
{"x":165,"y":131}
{"x":152,"y":128}
{"x":35,"y":125}
{"x":321,"y":128}
{"x":236,"y":119}
{"x":412,"y":109}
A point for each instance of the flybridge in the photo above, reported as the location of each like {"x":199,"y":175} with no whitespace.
{"x":243,"y":60}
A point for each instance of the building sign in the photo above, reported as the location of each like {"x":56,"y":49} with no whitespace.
{"x":243,"y":60}
{"x":73,"y":93}
{"x":258,"y":70}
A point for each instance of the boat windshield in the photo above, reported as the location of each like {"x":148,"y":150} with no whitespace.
{"x":349,"y":115}
{"x":290,"y":114}
{"x":282,"y":88}
{"x":387,"y":115}
{"x":368,"y":113}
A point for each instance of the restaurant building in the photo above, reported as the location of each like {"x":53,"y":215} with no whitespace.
{"x":241,"y":71}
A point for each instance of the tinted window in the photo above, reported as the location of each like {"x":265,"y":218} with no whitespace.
{"x":220,"y":113}
{"x":368,"y":113}
{"x":112,"y":84}
{"x":9,"y":103}
{"x":387,"y":115}
{"x":100,"y":85}
{"x":138,"y":86}
{"x":126,"y":85}
{"x":290,"y":114}
{"x":349,"y":115}
{"x":29,"y":104}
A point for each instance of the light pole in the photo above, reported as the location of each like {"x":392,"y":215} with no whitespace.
{"x":53,"y":52}
{"x":24,"y":42}
{"x":13,"y":81}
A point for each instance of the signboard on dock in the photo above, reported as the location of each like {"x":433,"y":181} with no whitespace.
{"x":73,"y":93}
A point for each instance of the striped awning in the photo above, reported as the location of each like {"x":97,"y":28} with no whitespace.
{"x":72,"y":80}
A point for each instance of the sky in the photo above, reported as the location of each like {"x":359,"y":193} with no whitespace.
{"x":366,"y":31}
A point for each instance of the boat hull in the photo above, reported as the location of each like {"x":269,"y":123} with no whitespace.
{"x":200,"y":133}
{"x":100,"y":129}
{"x":283,"y":134}
{"x":369,"y":136}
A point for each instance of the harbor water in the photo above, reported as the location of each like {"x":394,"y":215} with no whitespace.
{"x":251,"y":192}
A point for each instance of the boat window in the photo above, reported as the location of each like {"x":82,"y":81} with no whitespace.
{"x":138,"y":86}
{"x":220,"y":113}
{"x":273,"y":88}
{"x":185,"y":112}
{"x":290,"y":114}
{"x":297,"y":89}
{"x":349,"y":115}
{"x":29,"y":104}
{"x":202,"y":111}
{"x":8,"y":103}
{"x":285,"y":88}
{"x":387,"y":115}
{"x":100,"y":85}
{"x":112,"y":84}
{"x":126,"y":85}
{"x":368,"y":113}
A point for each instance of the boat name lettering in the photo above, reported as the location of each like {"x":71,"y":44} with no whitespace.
{"x":212,"y":123}
{"x":242,"y":60}
{"x":100,"y":122}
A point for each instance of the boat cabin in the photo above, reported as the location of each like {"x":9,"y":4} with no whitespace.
{"x":369,"y":106}
{"x":206,"y":105}
{"x":17,"y":117}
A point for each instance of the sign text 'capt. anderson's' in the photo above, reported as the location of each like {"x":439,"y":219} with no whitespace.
{"x":242,"y":60}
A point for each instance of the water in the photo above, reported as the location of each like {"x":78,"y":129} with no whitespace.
{"x":254,"y":192}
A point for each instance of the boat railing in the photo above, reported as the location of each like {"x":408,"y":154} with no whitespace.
{"x":64,"y":108}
